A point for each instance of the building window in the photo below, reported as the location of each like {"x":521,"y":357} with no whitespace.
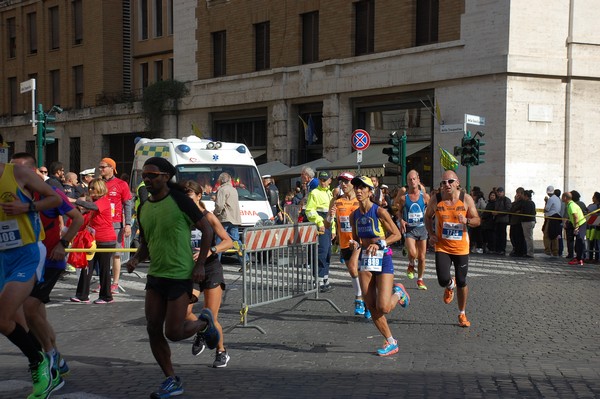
{"x":364,"y":27}
{"x":310,"y":37}
{"x":12,"y":37}
{"x":171,"y":66}
{"x":158,"y":71}
{"x":55,"y":86}
{"x":77,"y":22}
{"x":143,"y":19}
{"x":262,"y":51}
{"x":32,"y":32}
{"x":75,"y":154}
{"x":54,"y":28}
{"x":78,"y":84}
{"x":30,"y":147}
{"x":219,"y":53}
{"x":169,"y":17}
{"x":250,"y":131}
{"x":158,"y":18}
{"x":144,"y":74}
{"x":427,"y":22}
{"x":12,"y":88}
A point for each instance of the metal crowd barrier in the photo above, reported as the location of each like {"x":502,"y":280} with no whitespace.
{"x":282,"y":265}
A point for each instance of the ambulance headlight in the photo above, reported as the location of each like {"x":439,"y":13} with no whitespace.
{"x":241,"y":149}
{"x":218,"y":145}
{"x":184,"y":148}
{"x":210,"y":146}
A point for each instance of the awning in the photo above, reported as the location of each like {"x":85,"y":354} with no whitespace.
{"x":294,"y":171}
{"x":271,"y":168}
{"x":257,"y":153}
{"x":373,"y":160}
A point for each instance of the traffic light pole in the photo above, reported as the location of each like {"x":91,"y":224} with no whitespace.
{"x":403,"y":157}
{"x":39,"y":138}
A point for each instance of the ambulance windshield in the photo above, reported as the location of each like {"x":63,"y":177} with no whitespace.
{"x":245,"y":179}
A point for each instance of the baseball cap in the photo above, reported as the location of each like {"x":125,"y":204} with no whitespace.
{"x":86,"y":172}
{"x":266,"y":176}
{"x":346,"y":176}
{"x":324,"y":175}
{"x":111,"y":162}
{"x":550,"y":190}
{"x":363,"y":181}
{"x":500,"y":189}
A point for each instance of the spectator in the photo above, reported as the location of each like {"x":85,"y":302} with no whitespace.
{"x":477,"y":232}
{"x":593,"y":231}
{"x":516,"y":230}
{"x":528,"y":222}
{"x":71,"y":187}
{"x":56,"y":175}
{"x":120,"y":199}
{"x":273,"y":197}
{"x":501,"y":220}
{"x":87,"y":176}
{"x":227,"y":210}
{"x":552,"y":222}
{"x":487,"y":224}
{"x":575,"y":215}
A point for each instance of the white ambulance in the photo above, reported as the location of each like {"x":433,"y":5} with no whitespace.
{"x":203,"y":161}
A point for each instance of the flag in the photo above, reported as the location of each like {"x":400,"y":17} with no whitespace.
{"x":447,"y":160}
{"x":196,"y":130}
{"x":310,"y":134}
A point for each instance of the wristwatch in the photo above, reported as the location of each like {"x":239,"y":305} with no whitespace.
{"x":213,"y":249}
{"x":64,"y":243}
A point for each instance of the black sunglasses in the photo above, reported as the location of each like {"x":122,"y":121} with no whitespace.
{"x":152,"y":175}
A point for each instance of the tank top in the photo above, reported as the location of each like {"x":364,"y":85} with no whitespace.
{"x":368,"y":224}
{"x":414,"y":212}
{"x":453,"y":237}
{"x":17,"y":230}
{"x":344,"y":209}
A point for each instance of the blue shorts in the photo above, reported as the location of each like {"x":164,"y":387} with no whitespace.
{"x":22,"y":263}
{"x":387,"y":266}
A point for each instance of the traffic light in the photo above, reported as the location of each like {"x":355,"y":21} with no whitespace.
{"x":48,"y":128}
{"x":467,"y":151}
{"x":479,"y":153}
{"x":393,"y":152}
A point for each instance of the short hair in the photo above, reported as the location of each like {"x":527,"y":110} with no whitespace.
{"x":309,"y":171}
{"x":70,"y":176}
{"x":99,"y":186}
{"x":28,"y":157}
{"x":55,"y":166}
{"x":224,"y":178}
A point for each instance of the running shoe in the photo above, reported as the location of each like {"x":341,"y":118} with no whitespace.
{"x":403,"y":297}
{"x":359,"y":307}
{"x":574,"y":261}
{"x":70,"y":268}
{"x":421,"y":285}
{"x":462,"y":320}
{"x":210,"y":333}
{"x":60,"y":364}
{"x":97,"y":289}
{"x":44,"y":381}
{"x":449,"y":294}
{"x":102,"y":301}
{"x":367,"y":314}
{"x":199,"y":345}
{"x":77,"y":300}
{"x":388,"y":349}
{"x":410,"y":272}
{"x":169,"y":388}
{"x":114,"y":288}
{"x":221,"y":360}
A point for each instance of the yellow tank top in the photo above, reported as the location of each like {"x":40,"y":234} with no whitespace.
{"x":17,"y":230}
{"x":344,"y":209}
{"x":453,"y":237}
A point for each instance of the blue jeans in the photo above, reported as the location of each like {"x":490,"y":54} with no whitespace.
{"x":233,"y":232}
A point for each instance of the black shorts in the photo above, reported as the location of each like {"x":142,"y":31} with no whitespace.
{"x":170,"y":288}
{"x":42,"y":290}
{"x":213,"y":271}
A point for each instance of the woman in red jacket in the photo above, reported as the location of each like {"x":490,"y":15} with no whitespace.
{"x":101,"y":223}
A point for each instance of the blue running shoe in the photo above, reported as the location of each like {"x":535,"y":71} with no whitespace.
{"x":170,"y":387}
{"x":359,"y":307}
{"x":404,"y":298}
{"x":388,"y":349}
{"x":60,"y":364}
{"x":211,"y":334}
{"x":367,"y":314}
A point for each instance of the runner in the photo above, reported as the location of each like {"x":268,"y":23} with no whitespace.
{"x":411,"y":210}
{"x":453,"y":211}
{"x":341,"y":208}
{"x":21,"y":263}
{"x":370,"y":224}
{"x":165,"y":236}
{"x":214,"y":285}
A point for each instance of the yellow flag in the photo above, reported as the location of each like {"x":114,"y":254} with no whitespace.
{"x":196,"y":130}
{"x":447,"y":160}
{"x":438,"y":113}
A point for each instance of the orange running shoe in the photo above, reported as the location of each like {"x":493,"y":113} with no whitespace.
{"x":462,"y":320}
{"x":449,"y":294}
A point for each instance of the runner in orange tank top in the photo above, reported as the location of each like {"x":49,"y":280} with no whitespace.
{"x":453,"y":211}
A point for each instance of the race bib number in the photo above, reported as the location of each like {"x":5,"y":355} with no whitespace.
{"x":196,"y":237}
{"x":415,"y":219}
{"x":372,"y":263}
{"x":10,"y":236}
{"x":112,"y":210}
{"x":452,"y":231}
{"x":345,"y":226}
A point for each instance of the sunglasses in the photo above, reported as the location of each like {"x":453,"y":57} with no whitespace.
{"x":152,"y":175}
{"x":449,"y":181}
{"x":44,"y":172}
